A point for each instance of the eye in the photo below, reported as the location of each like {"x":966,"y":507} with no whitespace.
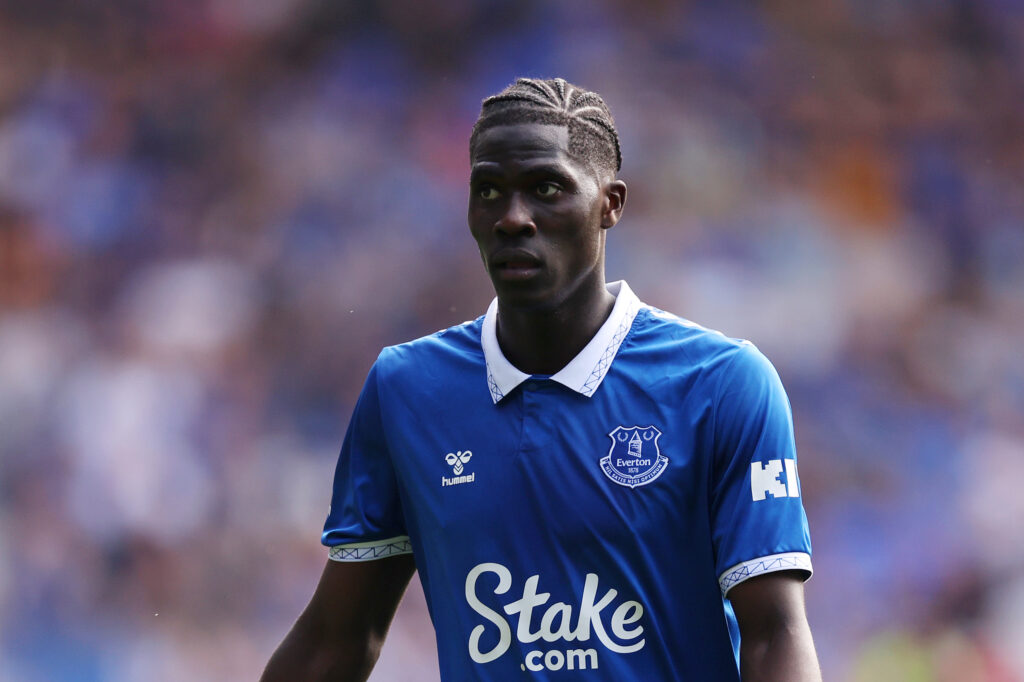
{"x":488,"y":192}
{"x":547,"y":189}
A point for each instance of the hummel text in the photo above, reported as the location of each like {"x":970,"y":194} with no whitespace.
{"x":455,"y":480}
{"x":458,"y":461}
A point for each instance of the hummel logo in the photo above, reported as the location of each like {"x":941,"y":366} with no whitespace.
{"x":456,"y":462}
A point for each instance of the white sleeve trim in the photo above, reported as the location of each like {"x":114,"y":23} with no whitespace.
{"x":788,"y":561}
{"x":374,"y":549}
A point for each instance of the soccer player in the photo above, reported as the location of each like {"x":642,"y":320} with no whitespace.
{"x":591,"y":488}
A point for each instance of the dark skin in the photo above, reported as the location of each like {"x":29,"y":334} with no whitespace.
{"x":531,"y":204}
{"x":339,"y":634}
{"x":775,"y":638}
{"x":539,"y":217}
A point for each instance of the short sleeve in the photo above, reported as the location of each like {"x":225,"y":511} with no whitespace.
{"x":365,"y":521}
{"x":757,"y":516}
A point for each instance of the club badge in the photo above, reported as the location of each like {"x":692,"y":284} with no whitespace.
{"x":634,"y":458}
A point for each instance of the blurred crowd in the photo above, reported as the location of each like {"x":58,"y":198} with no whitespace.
{"x":213,"y":213}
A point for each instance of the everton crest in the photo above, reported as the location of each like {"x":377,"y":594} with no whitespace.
{"x":634,"y":458}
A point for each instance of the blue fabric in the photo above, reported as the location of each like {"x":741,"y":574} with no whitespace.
{"x":537,"y":556}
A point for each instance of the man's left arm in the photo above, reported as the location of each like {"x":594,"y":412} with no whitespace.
{"x":775,"y":638}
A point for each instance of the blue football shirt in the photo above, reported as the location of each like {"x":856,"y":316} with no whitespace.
{"x":586,"y":524}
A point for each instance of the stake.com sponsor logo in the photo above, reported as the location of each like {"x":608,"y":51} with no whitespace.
{"x":556,"y":623}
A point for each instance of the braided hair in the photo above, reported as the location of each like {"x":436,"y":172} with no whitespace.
{"x":593,"y":138}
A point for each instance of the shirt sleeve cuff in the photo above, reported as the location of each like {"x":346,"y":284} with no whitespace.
{"x":374,"y":549}
{"x":788,"y":561}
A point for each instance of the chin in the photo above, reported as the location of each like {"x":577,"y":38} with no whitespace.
{"x":532,"y":298}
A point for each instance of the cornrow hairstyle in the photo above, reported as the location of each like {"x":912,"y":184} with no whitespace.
{"x":592,"y":135}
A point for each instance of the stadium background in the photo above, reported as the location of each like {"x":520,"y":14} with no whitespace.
{"x":214,"y":212}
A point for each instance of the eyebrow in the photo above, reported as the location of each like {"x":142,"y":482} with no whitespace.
{"x":477,"y":173}
{"x":489,"y":168}
{"x":548,"y":169}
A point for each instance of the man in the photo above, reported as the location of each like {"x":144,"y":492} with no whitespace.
{"x":589,"y":487}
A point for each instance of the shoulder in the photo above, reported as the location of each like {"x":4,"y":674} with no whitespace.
{"x":695,"y":361}
{"x":659,"y":336}
{"x":437,"y":353}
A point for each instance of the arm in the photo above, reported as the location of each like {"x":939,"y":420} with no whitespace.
{"x":340,"y":633}
{"x":775,"y":639}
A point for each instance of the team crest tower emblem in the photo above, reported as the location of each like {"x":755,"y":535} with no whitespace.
{"x":634,"y":458}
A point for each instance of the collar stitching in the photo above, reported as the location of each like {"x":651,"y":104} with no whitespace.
{"x":492,"y":384}
{"x":605,"y":362}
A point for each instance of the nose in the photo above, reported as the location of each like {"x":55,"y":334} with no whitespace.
{"x":516,"y":219}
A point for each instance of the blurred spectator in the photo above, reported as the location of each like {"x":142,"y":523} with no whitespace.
{"x":213,"y":214}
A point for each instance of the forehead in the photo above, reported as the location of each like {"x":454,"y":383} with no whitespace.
{"x":522,"y":142}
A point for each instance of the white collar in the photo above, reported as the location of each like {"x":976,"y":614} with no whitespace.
{"x":586,"y":371}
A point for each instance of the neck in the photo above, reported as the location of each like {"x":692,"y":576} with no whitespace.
{"x":545,"y":341}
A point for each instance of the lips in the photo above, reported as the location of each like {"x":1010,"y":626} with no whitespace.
{"x":515,"y":264}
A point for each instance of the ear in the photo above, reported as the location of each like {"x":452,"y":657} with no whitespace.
{"x":613,"y":203}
